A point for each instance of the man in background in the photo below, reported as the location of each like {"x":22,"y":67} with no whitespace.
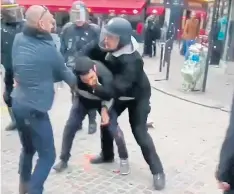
{"x":11,"y":23}
{"x":79,"y":38}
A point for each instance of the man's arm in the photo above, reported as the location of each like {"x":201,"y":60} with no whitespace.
{"x":227,"y":151}
{"x":62,"y":71}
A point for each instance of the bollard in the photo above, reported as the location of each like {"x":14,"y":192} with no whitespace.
{"x":168,"y":63}
{"x":161,"y":59}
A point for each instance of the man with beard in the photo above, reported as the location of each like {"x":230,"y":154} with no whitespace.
{"x":126,"y":65}
{"x":11,"y":23}
{"x":79,"y":38}
{"x":88,"y":71}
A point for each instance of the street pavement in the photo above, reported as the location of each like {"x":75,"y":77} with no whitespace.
{"x":187,"y":137}
{"x":220,"y":81}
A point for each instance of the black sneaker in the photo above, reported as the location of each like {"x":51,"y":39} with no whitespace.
{"x":100,"y":160}
{"x":60,"y":166}
{"x":159,"y":181}
{"x":11,"y":127}
{"x":92,"y":128}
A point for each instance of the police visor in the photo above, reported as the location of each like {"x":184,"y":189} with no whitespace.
{"x":108,"y":41}
{"x":12,"y":13}
{"x":79,"y":15}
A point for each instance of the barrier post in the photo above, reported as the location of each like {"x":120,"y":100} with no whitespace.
{"x":161,"y":58}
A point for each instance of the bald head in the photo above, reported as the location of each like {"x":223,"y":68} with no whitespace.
{"x":39,"y":16}
{"x":33,"y":14}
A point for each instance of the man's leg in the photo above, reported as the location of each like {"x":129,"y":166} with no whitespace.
{"x":92,"y":121}
{"x":118,"y":135}
{"x":12,"y":125}
{"x":229,"y":192}
{"x":27,"y":151}
{"x":138,"y":113}
{"x":107,"y":149}
{"x":75,"y":119}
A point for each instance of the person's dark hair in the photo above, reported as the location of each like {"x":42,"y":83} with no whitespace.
{"x":83,"y":65}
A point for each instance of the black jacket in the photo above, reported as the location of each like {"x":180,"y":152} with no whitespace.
{"x":8,"y":32}
{"x":78,"y":41}
{"x":130,"y":80}
{"x":226,"y":165}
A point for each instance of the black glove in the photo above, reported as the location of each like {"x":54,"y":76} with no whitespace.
{"x":7,"y":98}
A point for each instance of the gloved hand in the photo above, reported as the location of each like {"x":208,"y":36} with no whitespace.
{"x":7,"y":98}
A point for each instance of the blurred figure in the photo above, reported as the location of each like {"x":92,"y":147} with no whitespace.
{"x":190,"y":33}
{"x":11,"y":23}
{"x":225,"y":171}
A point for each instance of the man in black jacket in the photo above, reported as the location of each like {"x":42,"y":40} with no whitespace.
{"x":130,"y":80}
{"x":11,"y":24}
{"x":79,"y":38}
{"x":84,"y":100}
{"x":225,"y":171}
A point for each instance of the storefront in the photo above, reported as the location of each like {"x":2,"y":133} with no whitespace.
{"x":133,"y":9}
{"x":221,"y":32}
{"x":228,"y":54}
{"x":156,"y":7}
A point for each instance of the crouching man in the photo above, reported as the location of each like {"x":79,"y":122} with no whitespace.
{"x":88,"y":71}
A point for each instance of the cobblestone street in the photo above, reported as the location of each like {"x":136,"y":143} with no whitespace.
{"x":187,"y":137}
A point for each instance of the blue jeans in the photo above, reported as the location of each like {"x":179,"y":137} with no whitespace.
{"x":36,"y":135}
{"x":188,"y":43}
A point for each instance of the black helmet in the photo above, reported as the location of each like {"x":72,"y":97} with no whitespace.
{"x":11,"y":11}
{"x":79,"y":12}
{"x":116,"y":33}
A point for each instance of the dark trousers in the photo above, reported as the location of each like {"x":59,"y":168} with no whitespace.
{"x":138,"y":114}
{"x":78,"y":111}
{"x":154,"y":46}
{"x":92,"y":114}
{"x":229,"y":192}
{"x":148,"y":47}
{"x":36,"y":135}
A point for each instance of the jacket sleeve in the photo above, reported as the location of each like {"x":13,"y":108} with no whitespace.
{"x":62,"y":72}
{"x":87,"y":48}
{"x":121,"y":83}
{"x":227,"y":151}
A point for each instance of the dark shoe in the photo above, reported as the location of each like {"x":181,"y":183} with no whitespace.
{"x":60,"y":167}
{"x":159,"y":181}
{"x":11,"y":127}
{"x":92,"y":128}
{"x":124,"y":167}
{"x":100,"y":160}
{"x":23,"y":187}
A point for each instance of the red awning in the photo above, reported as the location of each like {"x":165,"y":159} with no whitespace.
{"x":159,"y":10}
{"x":129,"y":7}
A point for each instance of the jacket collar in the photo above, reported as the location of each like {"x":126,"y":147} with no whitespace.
{"x":30,"y":31}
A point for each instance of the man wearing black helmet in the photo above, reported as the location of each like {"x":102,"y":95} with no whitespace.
{"x":126,"y":65}
{"x":78,"y":38}
{"x":11,"y":23}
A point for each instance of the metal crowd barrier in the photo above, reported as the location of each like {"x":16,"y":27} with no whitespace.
{"x":165,"y":54}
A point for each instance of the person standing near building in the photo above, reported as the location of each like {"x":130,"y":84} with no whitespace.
{"x":37,"y":64}
{"x":79,"y":38}
{"x":191,"y":32}
{"x":11,"y":23}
